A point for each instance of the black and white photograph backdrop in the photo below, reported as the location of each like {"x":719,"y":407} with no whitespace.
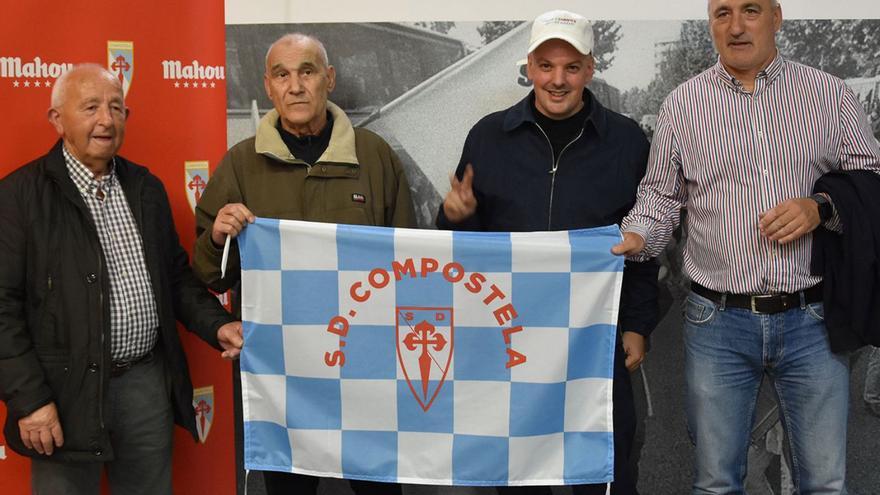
{"x":421,"y":75}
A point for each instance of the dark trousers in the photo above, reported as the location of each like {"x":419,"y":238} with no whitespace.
{"x":140,"y":422}
{"x":288,"y":483}
{"x":624,"y":433}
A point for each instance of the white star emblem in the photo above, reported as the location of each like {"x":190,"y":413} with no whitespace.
{"x":47,"y":83}
{"x":185,"y":84}
{"x":14,"y":84}
{"x":204,"y":85}
{"x":195,"y":85}
{"x":176,"y":84}
{"x":213,"y":85}
{"x":37,"y":84}
{"x":27,"y":84}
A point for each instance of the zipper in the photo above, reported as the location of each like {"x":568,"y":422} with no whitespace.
{"x":555,"y":165}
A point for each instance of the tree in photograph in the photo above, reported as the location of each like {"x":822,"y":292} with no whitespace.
{"x":441,"y":27}
{"x":606,"y":34}
{"x":845,"y":48}
{"x":492,"y":30}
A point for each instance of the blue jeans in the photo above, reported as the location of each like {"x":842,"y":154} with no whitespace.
{"x":728,"y":351}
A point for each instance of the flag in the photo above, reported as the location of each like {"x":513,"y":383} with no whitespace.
{"x":432,"y":357}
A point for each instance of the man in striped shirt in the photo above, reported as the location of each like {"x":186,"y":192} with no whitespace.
{"x":740,"y":146}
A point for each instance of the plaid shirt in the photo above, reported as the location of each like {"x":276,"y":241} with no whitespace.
{"x":133,"y":317}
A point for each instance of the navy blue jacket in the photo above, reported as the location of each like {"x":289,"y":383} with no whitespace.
{"x":594,"y":184}
{"x":849,"y":263}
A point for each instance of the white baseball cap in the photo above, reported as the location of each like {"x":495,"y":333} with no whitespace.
{"x":563,"y":25}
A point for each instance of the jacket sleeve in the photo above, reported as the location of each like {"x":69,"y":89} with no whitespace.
{"x":639,"y":297}
{"x":472,"y":223}
{"x":399,"y":212}
{"x":196,"y":308}
{"x":22,"y":383}
{"x":222,"y":189}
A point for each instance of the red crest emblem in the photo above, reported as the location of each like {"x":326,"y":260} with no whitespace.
{"x":424,"y":349}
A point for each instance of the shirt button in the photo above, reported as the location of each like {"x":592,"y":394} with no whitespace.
{"x":99,"y":452}
{"x":91,"y":278}
{"x":93,"y":367}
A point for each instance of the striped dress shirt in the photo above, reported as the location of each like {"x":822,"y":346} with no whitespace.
{"x":728,"y":155}
{"x":134,"y":319}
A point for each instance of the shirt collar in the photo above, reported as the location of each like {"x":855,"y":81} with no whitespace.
{"x":769,"y":74}
{"x":522,"y":112}
{"x":84,"y":179}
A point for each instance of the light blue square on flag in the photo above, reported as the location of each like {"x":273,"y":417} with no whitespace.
{"x":597,"y":244}
{"x":268,"y":443}
{"x":415,"y":291}
{"x":369,"y":454}
{"x":309,"y":297}
{"x":484,"y":252}
{"x":480,"y":354}
{"x":536,"y":408}
{"x":582,"y":355}
{"x":370,"y":353}
{"x":468,"y":459}
{"x":265,"y":344}
{"x":364,"y":248}
{"x":541,"y":299}
{"x":411,"y":416}
{"x":265,"y":254}
{"x":581,"y":450}
{"x":313,"y":403}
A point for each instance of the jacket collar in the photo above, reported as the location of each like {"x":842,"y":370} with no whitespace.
{"x":341,"y":149}
{"x":523,"y":112}
{"x":56,"y":169}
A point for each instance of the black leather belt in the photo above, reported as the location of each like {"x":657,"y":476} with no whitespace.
{"x":761,"y":303}
{"x":118,"y":368}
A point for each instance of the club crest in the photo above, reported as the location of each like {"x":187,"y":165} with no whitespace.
{"x":424,"y":349}
{"x":203,"y":404}
{"x":195,"y":181}
{"x":120,"y":61}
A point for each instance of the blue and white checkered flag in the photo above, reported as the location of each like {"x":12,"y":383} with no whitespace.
{"x":424,"y":356}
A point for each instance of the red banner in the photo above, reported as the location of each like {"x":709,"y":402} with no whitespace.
{"x":171,"y":56}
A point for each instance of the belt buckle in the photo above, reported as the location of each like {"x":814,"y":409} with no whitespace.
{"x":753,"y":299}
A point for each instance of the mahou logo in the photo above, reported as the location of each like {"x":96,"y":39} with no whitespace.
{"x":192,"y":75}
{"x":31,"y":73}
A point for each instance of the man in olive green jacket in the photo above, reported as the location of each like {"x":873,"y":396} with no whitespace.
{"x":306,"y":162}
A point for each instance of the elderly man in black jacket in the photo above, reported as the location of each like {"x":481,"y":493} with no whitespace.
{"x":92,"y":279}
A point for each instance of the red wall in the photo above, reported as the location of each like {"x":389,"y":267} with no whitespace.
{"x":168,"y":126}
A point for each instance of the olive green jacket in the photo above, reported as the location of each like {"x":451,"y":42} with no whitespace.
{"x":358,"y":180}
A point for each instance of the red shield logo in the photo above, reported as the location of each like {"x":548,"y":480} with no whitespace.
{"x":424,"y":349}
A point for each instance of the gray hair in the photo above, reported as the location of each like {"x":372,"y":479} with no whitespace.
{"x":773,"y":4}
{"x":59,"y":89}
{"x":298,"y":38}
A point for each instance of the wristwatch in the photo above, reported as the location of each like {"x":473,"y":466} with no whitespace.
{"x":826,"y":211}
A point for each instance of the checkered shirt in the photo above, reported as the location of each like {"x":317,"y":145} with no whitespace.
{"x":133,"y":317}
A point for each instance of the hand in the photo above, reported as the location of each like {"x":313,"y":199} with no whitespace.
{"x":41,"y":429}
{"x":790,"y":220}
{"x":631,"y":245}
{"x":231,"y":339}
{"x":460,"y":203}
{"x":230,"y":221}
{"x":634,"y":348}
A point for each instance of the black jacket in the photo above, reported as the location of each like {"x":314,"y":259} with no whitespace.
{"x":54,"y":302}
{"x":594,"y":185}
{"x":850,"y":262}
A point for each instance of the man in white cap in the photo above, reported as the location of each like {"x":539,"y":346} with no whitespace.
{"x":559,"y":160}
